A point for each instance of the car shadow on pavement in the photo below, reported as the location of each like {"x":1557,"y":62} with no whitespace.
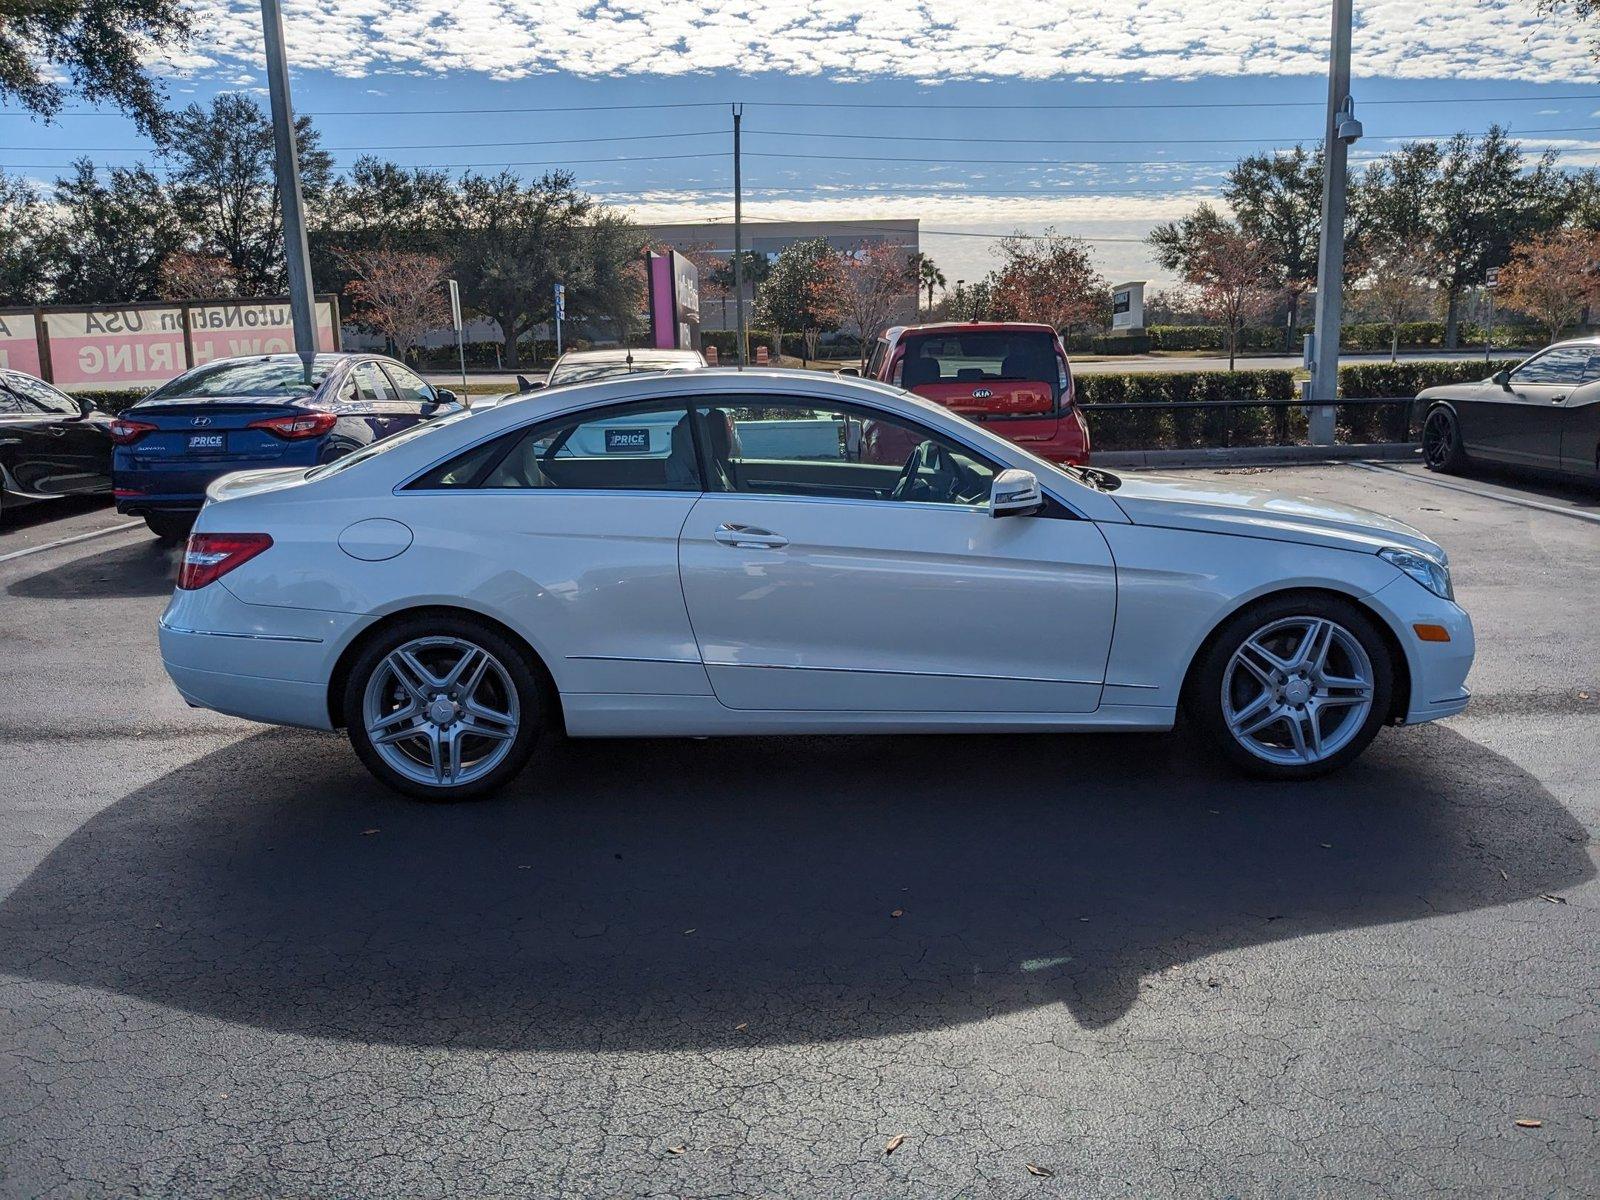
{"x":667,"y":894}
{"x":146,"y":567}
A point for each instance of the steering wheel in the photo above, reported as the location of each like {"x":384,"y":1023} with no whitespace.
{"x":950,"y":477}
{"x":907,"y":478}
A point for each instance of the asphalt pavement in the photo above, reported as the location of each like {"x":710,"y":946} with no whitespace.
{"x":1092,"y":966}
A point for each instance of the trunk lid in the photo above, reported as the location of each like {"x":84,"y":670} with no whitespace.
{"x":207,"y":430}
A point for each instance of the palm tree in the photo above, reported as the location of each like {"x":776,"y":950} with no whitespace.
{"x":926,"y":275}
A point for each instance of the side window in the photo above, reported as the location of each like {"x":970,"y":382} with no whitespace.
{"x":792,"y":449}
{"x":10,"y":402}
{"x":42,"y":396}
{"x":875,"y":363}
{"x":372,"y":383}
{"x":634,"y":448}
{"x":1563,"y":365}
{"x":409,"y":384}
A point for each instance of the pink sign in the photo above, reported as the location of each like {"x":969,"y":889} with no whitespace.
{"x":115,"y":347}
{"x":19,"y":342}
{"x":230,"y":330}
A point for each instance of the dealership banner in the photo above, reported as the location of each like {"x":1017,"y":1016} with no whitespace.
{"x":88,"y":347}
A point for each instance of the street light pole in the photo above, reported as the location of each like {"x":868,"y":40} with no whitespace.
{"x":738,"y":234}
{"x":1341,"y":129}
{"x":295,"y":253}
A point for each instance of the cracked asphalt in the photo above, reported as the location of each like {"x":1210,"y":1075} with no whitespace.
{"x":231,"y":965}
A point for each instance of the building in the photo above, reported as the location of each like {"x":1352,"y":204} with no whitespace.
{"x":715,"y":239}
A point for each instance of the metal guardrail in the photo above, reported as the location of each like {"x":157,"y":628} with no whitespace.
{"x":1226,"y":407}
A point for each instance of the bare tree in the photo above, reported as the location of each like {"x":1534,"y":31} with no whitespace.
{"x":871,"y":283}
{"x":1235,"y":278}
{"x":1554,"y":278}
{"x":192,"y":275}
{"x":399,"y":293}
{"x":1397,"y":288}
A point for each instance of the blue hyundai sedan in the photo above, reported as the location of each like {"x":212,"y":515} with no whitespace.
{"x":239,"y":414}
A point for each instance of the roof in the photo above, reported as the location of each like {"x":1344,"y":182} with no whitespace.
{"x":638,"y":354}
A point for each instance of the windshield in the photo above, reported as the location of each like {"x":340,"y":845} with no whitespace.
{"x":257,"y":377}
{"x":583,"y":372}
{"x":973,"y":357}
{"x":384,"y":445}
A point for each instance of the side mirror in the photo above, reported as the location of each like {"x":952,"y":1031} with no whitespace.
{"x":1502,"y":377}
{"x":1015,"y":493}
{"x":85,"y":406}
{"x":444,"y":396}
{"x":848,"y":371}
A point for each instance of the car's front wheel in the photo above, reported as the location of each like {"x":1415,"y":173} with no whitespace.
{"x":443,"y":708}
{"x":1441,"y":441}
{"x":1293,"y":687}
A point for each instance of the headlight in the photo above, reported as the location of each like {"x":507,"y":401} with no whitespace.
{"x":1432,"y":573}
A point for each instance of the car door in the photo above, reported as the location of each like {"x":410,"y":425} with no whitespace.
{"x":49,"y":446}
{"x":816,"y":580}
{"x":1521,"y":423}
{"x":570,"y":527}
{"x":1580,"y":426}
{"x":415,"y":399}
{"x":376,"y":402}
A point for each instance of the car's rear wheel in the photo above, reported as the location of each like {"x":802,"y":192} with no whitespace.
{"x":1441,"y":441}
{"x":443,"y":708}
{"x":1293,"y":687}
{"x":170,"y":527}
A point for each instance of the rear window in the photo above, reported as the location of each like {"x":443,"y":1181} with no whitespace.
{"x":583,"y":371}
{"x":261,"y":378}
{"x":978,"y":356}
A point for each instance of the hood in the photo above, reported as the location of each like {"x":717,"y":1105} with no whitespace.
{"x":1246,"y":512}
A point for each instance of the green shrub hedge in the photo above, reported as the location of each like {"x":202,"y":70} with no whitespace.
{"x":1187,"y":428}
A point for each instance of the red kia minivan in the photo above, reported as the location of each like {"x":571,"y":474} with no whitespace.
{"x":1010,"y":375}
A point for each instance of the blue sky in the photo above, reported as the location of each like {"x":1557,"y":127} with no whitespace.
{"x":1098,"y":118}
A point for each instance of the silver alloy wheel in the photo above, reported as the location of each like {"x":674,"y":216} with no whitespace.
{"x":1297,"y":690}
{"x":441,"y":711}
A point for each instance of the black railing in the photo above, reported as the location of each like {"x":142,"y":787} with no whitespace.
{"x":1193,"y":424}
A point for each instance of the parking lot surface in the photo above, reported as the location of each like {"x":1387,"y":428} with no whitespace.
{"x":232,"y":965}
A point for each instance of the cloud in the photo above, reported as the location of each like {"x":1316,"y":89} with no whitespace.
{"x":932,"y":41}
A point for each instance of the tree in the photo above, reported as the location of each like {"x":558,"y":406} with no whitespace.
{"x":1051,"y":279}
{"x":869,"y":285}
{"x":225,"y":185}
{"x":96,"y":48}
{"x":602,"y":270}
{"x":1235,"y":278}
{"x":1397,"y":290}
{"x":1277,"y":200}
{"x":513,"y":242}
{"x":925,"y":275}
{"x":1583,"y":10}
{"x":188,"y":275}
{"x":799,"y":293}
{"x":1553,"y":278}
{"x":1176,"y":243}
{"x":1470,"y":200}
{"x":399,"y":294}
{"x":24,"y":260}
{"x":110,"y":238}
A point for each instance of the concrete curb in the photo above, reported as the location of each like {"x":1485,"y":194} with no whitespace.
{"x":1247,"y":456}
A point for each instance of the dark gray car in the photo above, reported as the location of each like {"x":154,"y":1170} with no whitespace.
{"x":1543,"y":413}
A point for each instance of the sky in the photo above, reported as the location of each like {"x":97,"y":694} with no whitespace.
{"x":1096,"y":118}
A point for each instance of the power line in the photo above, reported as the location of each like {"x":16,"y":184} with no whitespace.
{"x":885,"y":105}
{"x":625,"y":137}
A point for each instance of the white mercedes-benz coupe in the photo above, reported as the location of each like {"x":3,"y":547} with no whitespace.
{"x":712,"y":553}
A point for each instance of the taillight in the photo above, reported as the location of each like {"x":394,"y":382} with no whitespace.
{"x":1064,"y":382}
{"x":125,"y":432}
{"x":210,"y":556}
{"x":298,"y":425}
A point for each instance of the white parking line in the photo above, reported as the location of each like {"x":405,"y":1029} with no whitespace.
{"x":82,"y":537}
{"x":1452,"y":485}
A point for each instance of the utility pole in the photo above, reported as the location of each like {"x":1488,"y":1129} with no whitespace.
{"x":738,"y":235}
{"x":295,"y":253}
{"x":1341,"y":129}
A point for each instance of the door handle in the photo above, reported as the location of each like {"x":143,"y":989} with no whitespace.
{"x":750,"y":538}
{"x":1557,"y":399}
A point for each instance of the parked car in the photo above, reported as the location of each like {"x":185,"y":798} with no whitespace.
{"x":447,"y":594}
{"x":50,"y":444}
{"x":275,"y":410}
{"x":585,"y":366}
{"x":1010,"y":375}
{"x":1543,"y":413}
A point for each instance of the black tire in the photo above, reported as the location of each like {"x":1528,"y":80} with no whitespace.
{"x":1203,"y":690}
{"x":1441,"y":441}
{"x":170,"y":527}
{"x":512,"y":657}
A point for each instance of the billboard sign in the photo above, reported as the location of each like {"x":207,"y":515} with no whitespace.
{"x":142,"y":345}
{"x":1127,"y":306}
{"x":19,"y":342}
{"x":674,"y":290}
